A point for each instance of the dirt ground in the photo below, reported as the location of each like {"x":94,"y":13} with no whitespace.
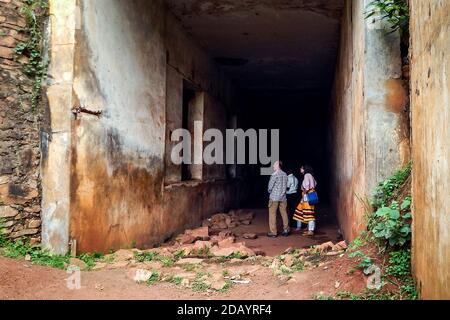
{"x":22,"y":280}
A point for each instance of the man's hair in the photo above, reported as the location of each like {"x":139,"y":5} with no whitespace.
{"x":280,"y":163}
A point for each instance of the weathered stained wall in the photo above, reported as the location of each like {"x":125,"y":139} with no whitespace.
{"x":20,"y":125}
{"x":187,"y":61}
{"x":122,"y":59}
{"x":369,"y":138}
{"x":430,"y":107}
{"x":347,"y":134}
{"x":56,"y":136}
{"x":117,"y":167}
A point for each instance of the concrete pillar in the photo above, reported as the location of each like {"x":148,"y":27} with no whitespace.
{"x":56,"y":143}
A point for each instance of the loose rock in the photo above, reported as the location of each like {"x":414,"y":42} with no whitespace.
{"x":250,"y":236}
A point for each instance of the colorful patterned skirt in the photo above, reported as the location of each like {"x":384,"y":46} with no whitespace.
{"x":305,"y":213}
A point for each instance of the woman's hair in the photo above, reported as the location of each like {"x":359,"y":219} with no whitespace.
{"x":308,"y":169}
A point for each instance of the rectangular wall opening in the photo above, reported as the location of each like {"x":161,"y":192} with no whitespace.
{"x":192,"y":120}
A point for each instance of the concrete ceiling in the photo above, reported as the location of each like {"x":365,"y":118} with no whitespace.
{"x":267,"y":44}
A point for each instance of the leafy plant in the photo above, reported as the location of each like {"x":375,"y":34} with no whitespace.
{"x":21,"y":249}
{"x":154,"y":256}
{"x":153,"y":278}
{"x":363,"y":260}
{"x":359,"y":242}
{"x":392,"y":224}
{"x":91,"y":258}
{"x":189,"y":267}
{"x":395,"y":12}
{"x":228,"y":285}
{"x":199,"y":285}
{"x":399,"y":267}
{"x":177,"y":280}
{"x":35,"y":11}
{"x":386,"y":191}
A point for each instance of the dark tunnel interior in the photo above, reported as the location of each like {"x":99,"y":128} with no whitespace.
{"x":303,"y":122}
{"x":281,"y":59}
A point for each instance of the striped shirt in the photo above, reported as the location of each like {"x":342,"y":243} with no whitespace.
{"x":277,"y":186}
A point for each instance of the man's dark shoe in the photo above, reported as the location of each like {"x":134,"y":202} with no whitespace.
{"x":271,"y":235}
{"x":285,"y":233}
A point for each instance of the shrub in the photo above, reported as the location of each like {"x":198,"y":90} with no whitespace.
{"x":392,"y":224}
{"x":386,"y":191}
{"x":396,"y":12}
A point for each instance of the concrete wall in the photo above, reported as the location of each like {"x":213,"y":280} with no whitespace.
{"x":369,"y":136}
{"x":127,"y":59}
{"x":347,"y":134}
{"x":430,"y":105}
{"x":186,"y":60}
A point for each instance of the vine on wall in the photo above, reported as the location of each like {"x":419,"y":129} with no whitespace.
{"x":35,"y":12}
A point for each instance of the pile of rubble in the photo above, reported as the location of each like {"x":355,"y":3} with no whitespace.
{"x":295,"y":260}
{"x":331,"y":249}
{"x":200,"y":242}
{"x":233,"y":219}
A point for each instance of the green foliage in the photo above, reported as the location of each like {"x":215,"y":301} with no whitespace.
{"x":364,"y":261}
{"x":399,"y":267}
{"x":91,"y":258}
{"x":203,"y":252}
{"x":235,"y":255}
{"x":389,"y":223}
{"x":180,"y":254}
{"x":399,"y":263}
{"x":366,"y":295}
{"x":228,"y":285}
{"x":392,"y":224}
{"x":154,"y":278}
{"x":35,"y":11}
{"x":386,"y":191}
{"x":190,"y":267}
{"x":177,"y":280}
{"x":395,"y":12}
{"x":20,"y":249}
{"x":359,"y":242}
{"x":409,"y":290}
{"x":199,"y":284}
{"x":145,"y":256}
{"x":154,"y":256}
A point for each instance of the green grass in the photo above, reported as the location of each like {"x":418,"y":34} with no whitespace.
{"x":228,"y":286}
{"x":20,"y":249}
{"x":153,"y":256}
{"x":190,"y":267}
{"x":176,"y":280}
{"x":199,"y":285}
{"x":154,"y":278}
{"x":366,"y":295}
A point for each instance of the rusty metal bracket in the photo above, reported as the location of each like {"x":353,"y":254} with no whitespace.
{"x":79,"y":110}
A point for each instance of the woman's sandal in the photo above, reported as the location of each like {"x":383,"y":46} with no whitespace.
{"x":308,"y":234}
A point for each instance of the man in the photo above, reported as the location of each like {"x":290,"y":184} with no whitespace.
{"x":292,"y":193}
{"x":277,"y":190}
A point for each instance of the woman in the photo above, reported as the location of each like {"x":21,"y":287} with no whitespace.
{"x":305,"y":213}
